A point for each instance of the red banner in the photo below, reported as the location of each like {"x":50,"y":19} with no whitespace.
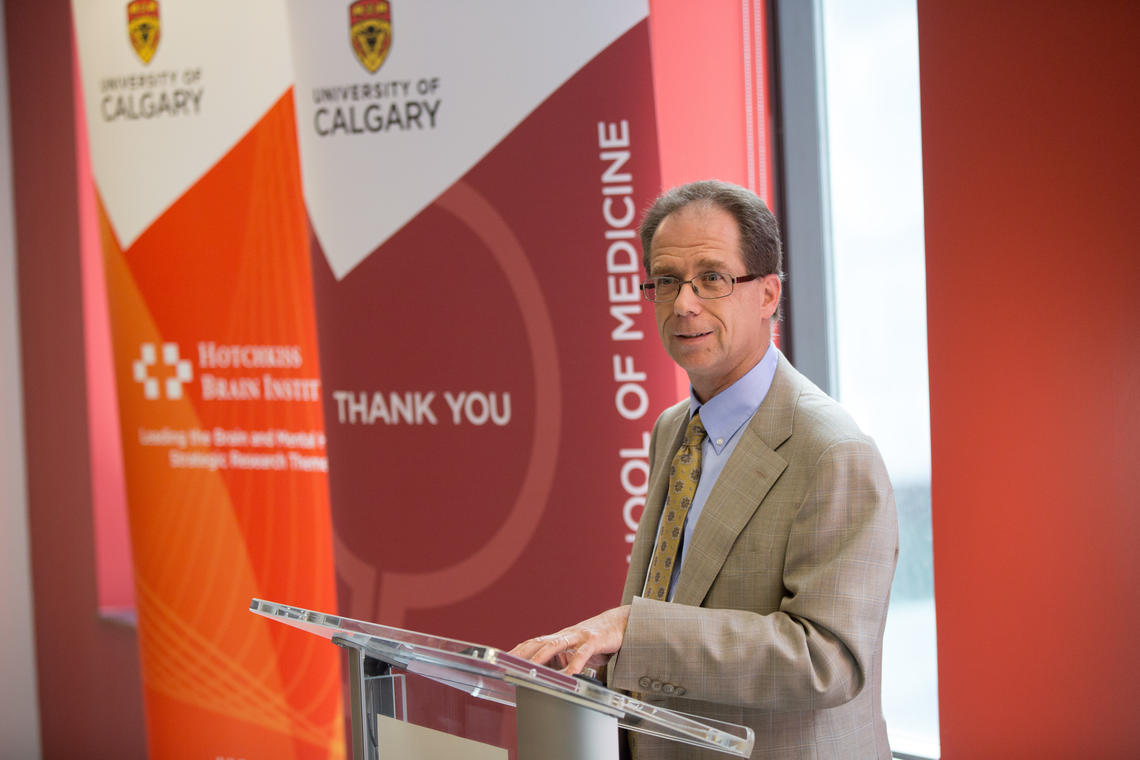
{"x":490,"y":370}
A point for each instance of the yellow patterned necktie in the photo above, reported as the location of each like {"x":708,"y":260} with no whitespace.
{"x":684,"y":473}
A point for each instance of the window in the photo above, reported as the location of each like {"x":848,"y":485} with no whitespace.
{"x":873,"y":164}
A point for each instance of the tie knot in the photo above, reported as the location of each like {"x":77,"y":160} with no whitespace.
{"x":695,"y":432}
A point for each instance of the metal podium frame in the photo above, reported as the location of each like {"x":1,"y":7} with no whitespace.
{"x":558,"y":717}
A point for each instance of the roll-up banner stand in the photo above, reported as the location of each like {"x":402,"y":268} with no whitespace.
{"x":488,"y":373}
{"x":194,"y":156}
{"x":473,"y":175}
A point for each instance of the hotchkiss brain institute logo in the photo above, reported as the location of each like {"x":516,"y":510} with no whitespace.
{"x":143,"y":27}
{"x":144,"y":371}
{"x":370,"y":31}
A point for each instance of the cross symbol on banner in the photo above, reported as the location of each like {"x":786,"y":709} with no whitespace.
{"x":180,"y":373}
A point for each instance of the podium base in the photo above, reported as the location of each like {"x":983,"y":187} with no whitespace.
{"x":550,"y":728}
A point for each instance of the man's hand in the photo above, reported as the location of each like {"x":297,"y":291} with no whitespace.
{"x":587,"y":644}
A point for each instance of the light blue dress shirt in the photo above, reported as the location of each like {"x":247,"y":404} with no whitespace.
{"x":723,"y":417}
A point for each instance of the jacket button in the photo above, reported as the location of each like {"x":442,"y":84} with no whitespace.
{"x":656,"y":686}
{"x":644,"y":682}
{"x":680,"y":692}
{"x":668,"y":688}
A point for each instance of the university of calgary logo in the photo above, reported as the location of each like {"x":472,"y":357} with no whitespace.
{"x":143,"y":28}
{"x":370,"y":29}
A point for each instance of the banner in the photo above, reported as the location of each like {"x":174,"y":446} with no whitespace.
{"x":473,"y":175}
{"x":194,"y":155}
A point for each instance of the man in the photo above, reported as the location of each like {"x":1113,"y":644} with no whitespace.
{"x":759,"y":594}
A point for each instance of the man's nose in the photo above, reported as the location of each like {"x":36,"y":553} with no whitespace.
{"x":687,"y":301}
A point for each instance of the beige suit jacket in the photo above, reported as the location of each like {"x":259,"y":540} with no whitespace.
{"x":778,"y":613}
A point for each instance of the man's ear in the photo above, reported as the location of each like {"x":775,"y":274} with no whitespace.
{"x":772,"y":289}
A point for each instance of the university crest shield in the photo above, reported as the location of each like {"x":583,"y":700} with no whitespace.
{"x":370,"y":29}
{"x":143,"y":27}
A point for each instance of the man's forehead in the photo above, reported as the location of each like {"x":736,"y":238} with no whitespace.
{"x":697,"y":236}
{"x":691,"y":224}
{"x":703,"y":262}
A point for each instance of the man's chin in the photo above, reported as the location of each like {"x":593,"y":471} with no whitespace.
{"x":694,"y":366}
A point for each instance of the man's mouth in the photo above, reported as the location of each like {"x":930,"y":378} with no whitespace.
{"x":693,"y":335}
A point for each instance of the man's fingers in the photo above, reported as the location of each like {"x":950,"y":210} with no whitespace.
{"x":526,"y":649}
{"x":573,"y":647}
{"x":544,"y":648}
{"x":577,"y":663}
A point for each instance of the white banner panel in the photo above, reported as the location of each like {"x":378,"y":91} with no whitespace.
{"x":455,"y":78}
{"x":177,"y":69}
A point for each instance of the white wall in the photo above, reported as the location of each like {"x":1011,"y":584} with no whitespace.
{"x":19,"y":712}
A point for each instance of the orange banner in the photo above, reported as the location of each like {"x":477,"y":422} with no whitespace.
{"x":209,"y":288}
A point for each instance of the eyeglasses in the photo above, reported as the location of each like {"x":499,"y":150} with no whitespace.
{"x":707,"y":285}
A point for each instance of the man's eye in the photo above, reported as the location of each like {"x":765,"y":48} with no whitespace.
{"x":665,"y":282}
{"x":712,"y":277}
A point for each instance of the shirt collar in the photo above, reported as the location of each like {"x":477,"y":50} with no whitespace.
{"x":726,"y":413}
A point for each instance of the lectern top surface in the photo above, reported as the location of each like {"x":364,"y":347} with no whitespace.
{"x":493,"y":674}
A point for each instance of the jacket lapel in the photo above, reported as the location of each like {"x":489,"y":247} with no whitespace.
{"x":672,"y":432}
{"x":743,"y":483}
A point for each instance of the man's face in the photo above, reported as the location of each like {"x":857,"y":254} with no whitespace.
{"x":715,"y":341}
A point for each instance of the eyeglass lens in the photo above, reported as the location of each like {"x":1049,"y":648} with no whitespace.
{"x":707,"y":285}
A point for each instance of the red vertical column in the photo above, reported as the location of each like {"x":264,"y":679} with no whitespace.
{"x":1030,"y":160}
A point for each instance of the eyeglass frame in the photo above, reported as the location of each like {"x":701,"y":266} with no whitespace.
{"x":732,"y":279}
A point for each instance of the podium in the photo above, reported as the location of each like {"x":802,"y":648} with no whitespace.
{"x":558,"y":717}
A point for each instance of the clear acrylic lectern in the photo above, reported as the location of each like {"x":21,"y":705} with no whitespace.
{"x":558,"y":717}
